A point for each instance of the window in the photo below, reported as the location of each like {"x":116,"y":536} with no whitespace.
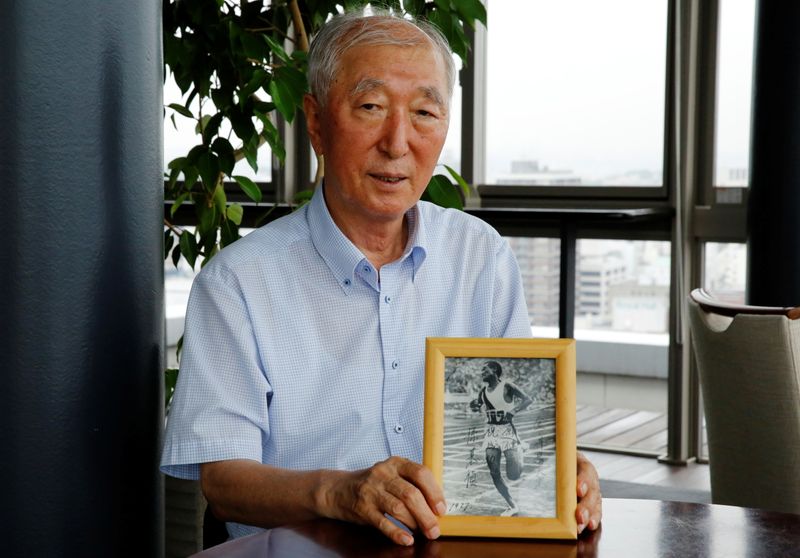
{"x":621,"y":328}
{"x":734,"y":78}
{"x":539,"y":265}
{"x":451,"y":152}
{"x":725,"y":270}
{"x":575,"y":92}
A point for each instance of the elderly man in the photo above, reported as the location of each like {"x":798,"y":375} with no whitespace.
{"x":300,"y":392}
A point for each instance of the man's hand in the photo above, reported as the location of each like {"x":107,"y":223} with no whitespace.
{"x":401,"y":488}
{"x":589,"y":511}
{"x":249,"y":492}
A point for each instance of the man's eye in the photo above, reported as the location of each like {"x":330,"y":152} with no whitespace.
{"x":369,"y":106}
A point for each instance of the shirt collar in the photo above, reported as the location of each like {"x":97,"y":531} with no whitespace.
{"x":417,"y":238}
{"x":341,"y":255}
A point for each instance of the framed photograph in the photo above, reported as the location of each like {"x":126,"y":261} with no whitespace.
{"x":500,"y":435}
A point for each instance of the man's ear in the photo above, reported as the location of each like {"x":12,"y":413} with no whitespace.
{"x":313,"y":115}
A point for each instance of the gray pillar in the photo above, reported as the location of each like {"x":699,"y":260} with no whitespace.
{"x":81,"y":278}
{"x":773,"y":236}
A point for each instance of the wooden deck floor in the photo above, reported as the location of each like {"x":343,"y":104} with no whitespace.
{"x":622,"y":429}
{"x":627,"y":429}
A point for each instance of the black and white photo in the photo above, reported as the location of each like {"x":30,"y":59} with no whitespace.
{"x":499,"y":436}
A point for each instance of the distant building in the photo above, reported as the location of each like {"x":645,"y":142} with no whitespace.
{"x":726,"y":270}
{"x":539,"y":264}
{"x":733,"y":176}
{"x":632,"y":178}
{"x":595,"y":277}
{"x":524,"y":167}
{"x":639,"y":308}
{"x":530,"y":173}
{"x":620,"y":286}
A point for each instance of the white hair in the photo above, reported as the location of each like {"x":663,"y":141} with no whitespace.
{"x":352,"y":29}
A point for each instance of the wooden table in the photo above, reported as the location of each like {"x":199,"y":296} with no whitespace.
{"x":635,"y":528}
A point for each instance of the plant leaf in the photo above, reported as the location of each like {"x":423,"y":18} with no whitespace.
{"x":170,"y":381}
{"x":287,"y":88}
{"x":211,"y":127}
{"x":255,"y":83}
{"x":188,"y":245}
{"x":303,"y":197}
{"x":177,"y":163}
{"x":224,"y":151}
{"x":169,"y":241}
{"x":180,"y":109}
{"x":442,"y":192}
{"x":220,"y":199}
{"x":460,"y":181}
{"x":282,"y":96}
{"x":229,"y":233}
{"x":277,"y":49}
{"x":470,"y":10}
{"x":272,"y":137}
{"x":176,"y":255}
{"x":177,"y":203}
{"x":208,"y":167}
{"x":235,"y":212}
{"x":249,"y":187}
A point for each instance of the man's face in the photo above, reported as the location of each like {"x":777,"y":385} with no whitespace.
{"x":381,"y":131}
{"x":487,"y":374}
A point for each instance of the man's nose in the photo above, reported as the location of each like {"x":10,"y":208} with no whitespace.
{"x":395,"y":136}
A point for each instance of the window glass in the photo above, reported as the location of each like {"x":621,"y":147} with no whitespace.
{"x":622,"y":286}
{"x":621,"y":330}
{"x":539,"y":263}
{"x":575,"y":92}
{"x":451,"y":152}
{"x":734,"y":84}
{"x":725,"y":270}
{"x":622,"y":333}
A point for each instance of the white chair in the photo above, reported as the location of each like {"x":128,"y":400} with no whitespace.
{"x":748,"y":359}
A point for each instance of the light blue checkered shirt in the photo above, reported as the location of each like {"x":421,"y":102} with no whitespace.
{"x":297,"y":356}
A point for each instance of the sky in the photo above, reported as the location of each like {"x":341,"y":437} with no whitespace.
{"x":580,"y":84}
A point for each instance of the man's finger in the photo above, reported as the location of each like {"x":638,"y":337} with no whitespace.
{"x":395,"y":507}
{"x":390,"y":528}
{"x":422,"y":478}
{"x":416,"y":505}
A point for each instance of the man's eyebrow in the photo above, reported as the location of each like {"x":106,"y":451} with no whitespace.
{"x":366,"y":84}
{"x":433,"y":94}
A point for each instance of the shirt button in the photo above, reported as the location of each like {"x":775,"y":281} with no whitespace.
{"x":387,"y":299}
{"x":398,"y":428}
{"x":347,"y":282}
{"x":395,"y":364}
{"x":367,"y":269}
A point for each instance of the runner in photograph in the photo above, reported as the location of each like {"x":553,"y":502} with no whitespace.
{"x":500,"y":400}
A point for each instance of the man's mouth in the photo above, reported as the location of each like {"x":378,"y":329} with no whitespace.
{"x":387,"y":178}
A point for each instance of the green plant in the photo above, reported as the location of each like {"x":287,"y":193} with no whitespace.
{"x":240,"y":66}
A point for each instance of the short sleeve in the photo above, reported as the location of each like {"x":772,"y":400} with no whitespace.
{"x":219,"y":410}
{"x":509,"y":310}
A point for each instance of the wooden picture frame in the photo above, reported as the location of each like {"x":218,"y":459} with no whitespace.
{"x":469,"y":431}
